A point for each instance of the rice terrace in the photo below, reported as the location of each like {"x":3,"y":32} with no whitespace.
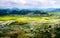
{"x":29,"y":24}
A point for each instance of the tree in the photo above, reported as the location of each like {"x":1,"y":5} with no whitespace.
{"x":3,"y":12}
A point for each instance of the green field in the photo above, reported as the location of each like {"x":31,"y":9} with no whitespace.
{"x":18,"y":26}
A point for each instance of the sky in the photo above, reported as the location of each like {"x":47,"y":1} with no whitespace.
{"x":29,"y":3}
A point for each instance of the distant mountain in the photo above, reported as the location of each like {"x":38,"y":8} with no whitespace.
{"x":32,"y":9}
{"x":47,"y":9}
{"x":56,"y":10}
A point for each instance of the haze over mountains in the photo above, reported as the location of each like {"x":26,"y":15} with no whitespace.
{"x":32,"y":9}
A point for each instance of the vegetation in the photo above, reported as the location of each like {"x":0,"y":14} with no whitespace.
{"x":29,"y":24}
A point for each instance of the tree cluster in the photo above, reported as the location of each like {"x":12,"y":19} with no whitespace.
{"x":22,"y":12}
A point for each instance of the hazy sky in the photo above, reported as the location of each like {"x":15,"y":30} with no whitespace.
{"x":30,"y":3}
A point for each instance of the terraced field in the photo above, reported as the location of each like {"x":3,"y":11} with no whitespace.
{"x":29,"y":27}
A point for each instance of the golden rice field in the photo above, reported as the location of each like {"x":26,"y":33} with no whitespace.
{"x":29,"y":27}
